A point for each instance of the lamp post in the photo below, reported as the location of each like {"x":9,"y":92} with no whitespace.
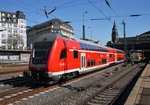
{"x":91,"y":32}
{"x":83,"y":27}
{"x":125,"y":43}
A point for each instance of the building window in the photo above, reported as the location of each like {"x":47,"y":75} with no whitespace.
{"x":9,"y":25}
{"x":14,"y":16}
{"x":3,"y":47}
{"x":9,"y":35}
{"x":3,"y":19}
{"x":9,"y":41}
{"x":15,"y":31}
{"x":15,"y":25}
{"x":8,"y":15}
{"x":10,"y":30}
{"x":3,"y":41}
{"x":3,"y":24}
{"x":21,"y":26}
{"x":15,"y":35}
{"x":9,"y":47}
{"x":21,"y":31}
{"x":3,"y":14}
{"x":3,"y":35}
{"x":14,"y":20}
{"x":9,"y":18}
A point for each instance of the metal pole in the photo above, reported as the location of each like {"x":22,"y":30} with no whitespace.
{"x":125,"y":43}
{"x":83,"y":27}
{"x":83,"y":32}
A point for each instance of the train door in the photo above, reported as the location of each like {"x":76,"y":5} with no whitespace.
{"x":115,"y":57}
{"x":108,"y":58}
{"x":83,"y":61}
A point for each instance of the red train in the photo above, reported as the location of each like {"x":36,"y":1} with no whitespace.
{"x":137,"y":56}
{"x":55,"y":56}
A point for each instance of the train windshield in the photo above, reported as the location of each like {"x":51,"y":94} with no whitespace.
{"x":41,"y":52}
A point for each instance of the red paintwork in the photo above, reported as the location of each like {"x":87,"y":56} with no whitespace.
{"x":55,"y":64}
{"x":112,"y":55}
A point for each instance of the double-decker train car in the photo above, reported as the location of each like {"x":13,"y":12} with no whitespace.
{"x":54,"y":56}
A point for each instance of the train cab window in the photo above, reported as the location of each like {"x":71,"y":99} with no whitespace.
{"x":63,"y":54}
{"x":75,"y":54}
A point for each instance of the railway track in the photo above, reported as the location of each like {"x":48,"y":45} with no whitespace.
{"x":23,"y":94}
{"x":18,"y":94}
{"x":113,"y":90}
{"x":106,"y":90}
{"x":12,"y":87}
{"x":13,"y":92}
{"x":16,"y":81}
{"x":12,"y":71}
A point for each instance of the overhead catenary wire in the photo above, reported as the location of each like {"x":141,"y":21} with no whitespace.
{"x":123,"y":16}
{"x":116,"y":15}
{"x":97,"y":9}
{"x":64,"y":4}
{"x":27,"y":10}
{"x":72,"y":4}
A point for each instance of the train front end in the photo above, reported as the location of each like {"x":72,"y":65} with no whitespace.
{"x":39,"y":59}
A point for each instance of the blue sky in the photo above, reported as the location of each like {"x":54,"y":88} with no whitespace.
{"x":72,"y":10}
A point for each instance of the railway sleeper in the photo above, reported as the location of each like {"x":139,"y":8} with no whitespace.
{"x":107,"y":96}
{"x":112,"y":91}
{"x":110,"y":94}
{"x":98,"y":103}
{"x":103,"y":98}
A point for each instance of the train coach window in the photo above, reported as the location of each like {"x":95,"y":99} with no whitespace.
{"x":94,"y":62}
{"x":110,"y":55}
{"x":63,"y":54}
{"x":82,"y":46}
{"x":89,"y":63}
{"x":99,"y":61}
{"x":75,"y":54}
{"x":103,"y":61}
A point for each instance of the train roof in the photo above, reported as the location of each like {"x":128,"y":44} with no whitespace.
{"x":53,"y":36}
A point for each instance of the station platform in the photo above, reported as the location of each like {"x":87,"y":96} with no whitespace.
{"x":140,"y":94}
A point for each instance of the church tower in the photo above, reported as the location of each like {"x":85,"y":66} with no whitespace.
{"x":114,"y":34}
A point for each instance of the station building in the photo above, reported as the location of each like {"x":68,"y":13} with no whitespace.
{"x":12,"y":30}
{"x":138,"y":42}
{"x":52,"y":26}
